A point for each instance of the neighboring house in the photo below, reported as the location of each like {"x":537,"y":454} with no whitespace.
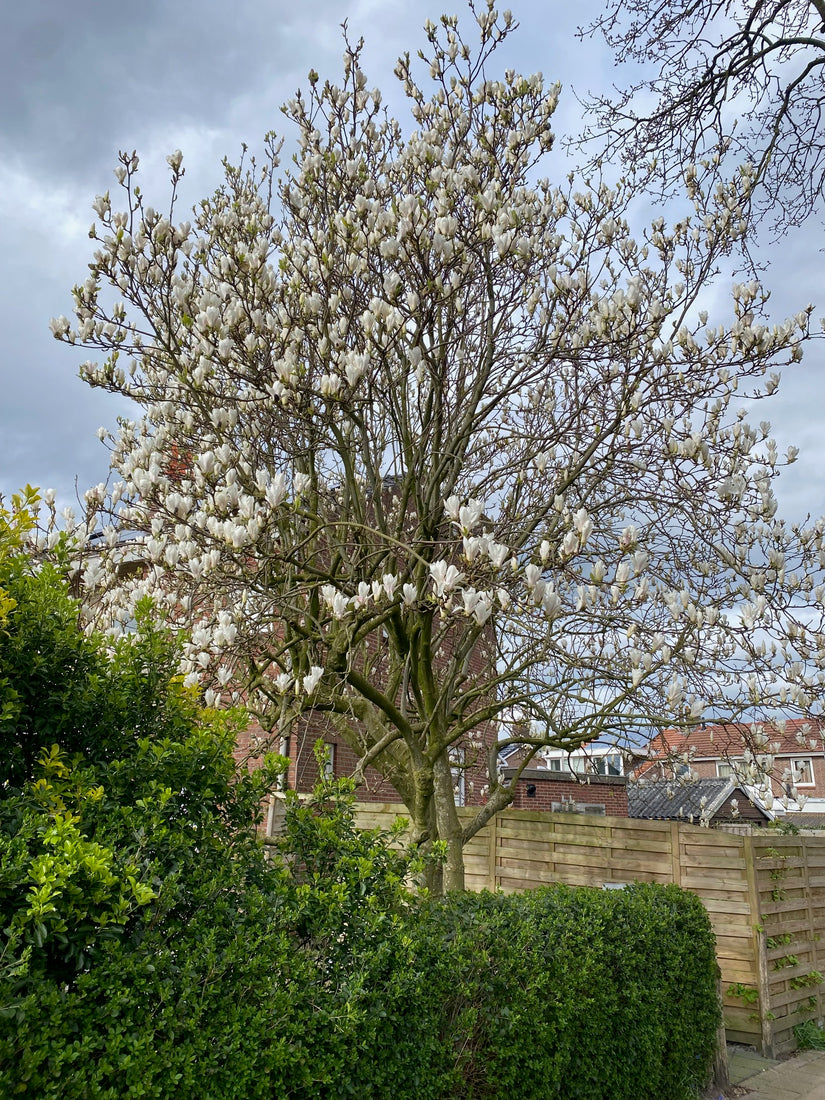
{"x":710,"y":801}
{"x":563,"y":792}
{"x":593,"y":759}
{"x":589,"y":780}
{"x":790,"y":751}
{"x":470,"y":771}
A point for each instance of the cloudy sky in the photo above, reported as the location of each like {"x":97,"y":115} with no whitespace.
{"x":204,"y":76}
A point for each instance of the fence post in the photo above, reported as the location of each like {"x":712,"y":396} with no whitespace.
{"x":721,"y":1076}
{"x":491,"y":852}
{"x":675,"y":854}
{"x":763,"y":979}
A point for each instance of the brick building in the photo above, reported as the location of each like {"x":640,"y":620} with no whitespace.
{"x":469,"y":756}
{"x":723,"y":750}
{"x":569,"y":792}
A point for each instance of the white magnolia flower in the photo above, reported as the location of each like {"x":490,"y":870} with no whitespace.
{"x":451,"y":507}
{"x":551,"y":602}
{"x":483,"y":608}
{"x":532,"y":575}
{"x":312,"y":679}
{"x":497,"y":553}
{"x":583,"y":524}
{"x":472,"y":547}
{"x":354,"y":369}
{"x":206,"y":462}
{"x":570,"y":543}
{"x":276,"y":491}
{"x":361,"y":598}
{"x":445,"y":577}
{"x":93,"y":573}
{"x":675,"y":692}
{"x":340,"y":606}
{"x":469,"y":515}
{"x":330,"y":385}
{"x":469,"y":598}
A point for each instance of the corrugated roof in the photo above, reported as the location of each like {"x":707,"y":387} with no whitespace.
{"x":666,"y":800}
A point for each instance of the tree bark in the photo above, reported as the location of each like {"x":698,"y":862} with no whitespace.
{"x":449,"y":825}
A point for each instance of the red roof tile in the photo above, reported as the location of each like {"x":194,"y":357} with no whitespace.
{"x":722,"y":740}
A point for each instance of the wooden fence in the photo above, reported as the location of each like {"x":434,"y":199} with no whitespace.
{"x":765,"y":895}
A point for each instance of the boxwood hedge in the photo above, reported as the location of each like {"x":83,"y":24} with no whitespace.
{"x":561,"y":992}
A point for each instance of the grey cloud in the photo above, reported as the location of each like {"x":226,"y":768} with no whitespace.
{"x":78,"y":82}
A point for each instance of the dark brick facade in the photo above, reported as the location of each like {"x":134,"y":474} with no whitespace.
{"x":303,"y":768}
{"x":541,"y":788}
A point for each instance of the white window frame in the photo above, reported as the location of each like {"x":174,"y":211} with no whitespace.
{"x":329,"y":761}
{"x":595,"y":808}
{"x":457,"y":759}
{"x":794,"y":763}
{"x":726,"y":769}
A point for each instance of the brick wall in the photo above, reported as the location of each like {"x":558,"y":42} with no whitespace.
{"x":548,"y":787}
{"x":303,"y":768}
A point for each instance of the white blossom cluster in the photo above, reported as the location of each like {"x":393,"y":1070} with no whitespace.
{"x":423,"y":436}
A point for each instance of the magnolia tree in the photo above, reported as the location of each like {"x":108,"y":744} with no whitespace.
{"x":426,"y":442}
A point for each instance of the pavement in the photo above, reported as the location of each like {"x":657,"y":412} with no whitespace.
{"x":801,"y":1077}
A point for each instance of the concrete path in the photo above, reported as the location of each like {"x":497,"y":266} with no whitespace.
{"x":799,"y":1078}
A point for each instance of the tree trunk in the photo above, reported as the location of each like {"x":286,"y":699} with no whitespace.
{"x":449,"y":826}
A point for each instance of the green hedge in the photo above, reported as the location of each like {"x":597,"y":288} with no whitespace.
{"x":574,"y":993}
{"x":567,"y":993}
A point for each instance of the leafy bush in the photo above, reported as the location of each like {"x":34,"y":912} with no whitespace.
{"x":272,"y":985}
{"x":574,"y":993}
{"x":320,"y":976}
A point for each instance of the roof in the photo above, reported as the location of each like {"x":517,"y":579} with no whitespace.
{"x":668,"y":800}
{"x":722,"y":740}
{"x":806,"y":821}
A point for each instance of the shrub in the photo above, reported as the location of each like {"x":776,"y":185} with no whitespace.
{"x":320,"y":976}
{"x":574,"y":993}
{"x":273,"y":984}
{"x":809,"y":1036}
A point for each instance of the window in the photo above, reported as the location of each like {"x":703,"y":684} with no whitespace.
{"x":457,"y":760}
{"x":606,"y":765}
{"x":803,"y":771}
{"x":728,"y":769}
{"x":584,"y":764}
{"x":579,"y":808}
{"x":329,"y":762}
